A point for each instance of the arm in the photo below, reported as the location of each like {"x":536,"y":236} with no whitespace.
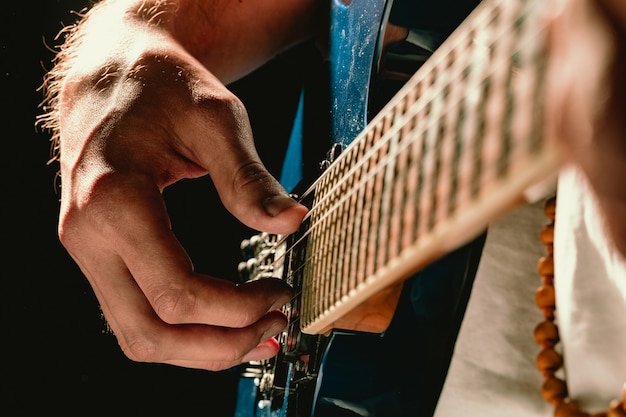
{"x":138,"y":102}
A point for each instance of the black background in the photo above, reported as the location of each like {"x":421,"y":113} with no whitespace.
{"x":57,"y":357}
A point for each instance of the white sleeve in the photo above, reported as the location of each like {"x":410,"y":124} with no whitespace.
{"x":590,"y":284}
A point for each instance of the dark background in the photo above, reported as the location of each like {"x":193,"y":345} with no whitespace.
{"x":57,"y":356}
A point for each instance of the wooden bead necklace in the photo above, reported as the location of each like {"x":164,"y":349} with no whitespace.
{"x":549,"y":360}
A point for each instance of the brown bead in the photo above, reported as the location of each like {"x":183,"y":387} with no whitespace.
{"x":547,"y":280}
{"x":554,"y":390}
{"x":616,"y":409}
{"x":547,"y":234}
{"x":550,"y":208}
{"x":546,"y":334}
{"x":544,"y":297}
{"x":569,"y":409}
{"x":549,"y":361}
{"x":545,"y":266}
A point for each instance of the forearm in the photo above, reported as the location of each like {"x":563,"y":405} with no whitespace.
{"x":229,"y":38}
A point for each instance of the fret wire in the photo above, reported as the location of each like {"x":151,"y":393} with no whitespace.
{"x":368,"y":241}
{"x":446,"y":186}
{"x":319,"y":255}
{"x":322,"y":255}
{"x":420,"y":148}
{"x":386,"y":185}
{"x":337,"y":240}
{"x":464,"y":136}
{"x":362,"y":226}
{"x":424,"y":197}
{"x":506,"y":133}
{"x":359,"y":196}
{"x":409,"y":213}
{"x":461,"y":132}
{"x":349,"y":213}
{"x":341,"y":231}
{"x":446,"y":158}
{"x":317,"y":233}
{"x":456,"y":132}
{"x":326,"y":258}
{"x":537,"y":49}
{"x":309,"y":280}
{"x":439,"y":135}
{"x":329,"y":261}
{"x":399,"y":190}
{"x":520,"y":89}
{"x":493,"y":109}
{"x":298,"y":255}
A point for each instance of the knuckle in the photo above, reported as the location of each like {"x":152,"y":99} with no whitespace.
{"x":140,"y":348}
{"x":245,"y":318}
{"x":175,"y":306}
{"x":224,"y":105}
{"x":252,"y":172}
{"x":158,"y":69}
{"x":68,"y":229}
{"x":224,"y":114}
{"x":236,"y":353}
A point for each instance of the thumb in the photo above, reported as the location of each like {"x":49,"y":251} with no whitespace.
{"x":257,"y":199}
{"x":245,"y":186}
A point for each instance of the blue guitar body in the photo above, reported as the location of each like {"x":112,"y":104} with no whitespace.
{"x":401,"y":371}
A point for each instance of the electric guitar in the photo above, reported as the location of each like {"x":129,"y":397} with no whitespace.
{"x":461,"y":143}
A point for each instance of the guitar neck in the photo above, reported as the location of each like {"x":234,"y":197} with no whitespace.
{"x":459,"y":145}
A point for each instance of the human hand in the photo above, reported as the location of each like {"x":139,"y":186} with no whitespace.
{"x":587,"y":100}
{"x":128,"y":129}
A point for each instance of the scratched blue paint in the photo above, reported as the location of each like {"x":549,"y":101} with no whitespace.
{"x":354,"y":37}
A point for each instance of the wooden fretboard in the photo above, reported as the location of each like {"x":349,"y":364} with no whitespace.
{"x":458,"y":146}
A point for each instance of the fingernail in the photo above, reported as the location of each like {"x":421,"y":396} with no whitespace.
{"x":276,"y":204}
{"x":284,"y":296}
{"x":273,"y":330}
{"x":264,"y":350}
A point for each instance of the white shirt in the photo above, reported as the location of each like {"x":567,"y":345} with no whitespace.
{"x":493,"y":369}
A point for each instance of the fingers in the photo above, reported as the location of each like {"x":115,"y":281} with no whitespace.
{"x":146,"y":337}
{"x":158,"y":307}
{"x":141,"y":237}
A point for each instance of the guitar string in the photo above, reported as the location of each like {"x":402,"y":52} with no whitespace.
{"x":339,"y":291}
{"x":419,"y":101}
{"x":406,"y":141}
{"x":439,"y":55}
{"x":336,"y":293}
